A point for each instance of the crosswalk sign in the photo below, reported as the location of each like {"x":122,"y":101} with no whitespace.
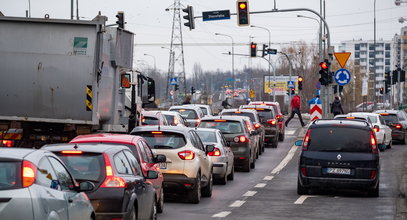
{"x":173,"y":81}
{"x":290,"y":84}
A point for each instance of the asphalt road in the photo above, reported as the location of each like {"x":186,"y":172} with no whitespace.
{"x":269,"y":191}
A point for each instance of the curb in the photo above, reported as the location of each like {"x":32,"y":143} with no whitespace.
{"x":401,"y":201}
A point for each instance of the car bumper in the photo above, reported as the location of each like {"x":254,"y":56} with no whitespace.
{"x":178,"y":182}
{"x":339,"y":183}
{"x":109,"y":216}
{"x":270,"y":135}
{"x":240,"y":162}
{"x":219,"y":169}
{"x":397,"y":135}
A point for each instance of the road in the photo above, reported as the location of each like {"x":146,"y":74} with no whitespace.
{"x":269,"y":191}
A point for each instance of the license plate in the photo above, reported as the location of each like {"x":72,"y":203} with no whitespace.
{"x":341,"y":171}
{"x":163,"y":165}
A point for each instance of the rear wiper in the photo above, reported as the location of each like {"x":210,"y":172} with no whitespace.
{"x":162,"y":147}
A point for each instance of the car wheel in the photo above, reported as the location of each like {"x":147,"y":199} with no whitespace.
{"x":207,"y":190}
{"x":253,"y":164}
{"x":194,"y":196}
{"x":281,"y":137}
{"x":160,"y":203}
{"x":153,"y":214}
{"x":300,"y":189}
{"x":246,"y":166}
{"x":374,"y":192}
{"x":260,"y":149}
{"x":231,"y":176}
{"x":390,"y":144}
{"x":133,"y":214}
{"x":274,"y":144}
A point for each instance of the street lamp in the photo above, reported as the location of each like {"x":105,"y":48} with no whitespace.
{"x":320,"y":35}
{"x":153,"y":58}
{"x":233,"y":58}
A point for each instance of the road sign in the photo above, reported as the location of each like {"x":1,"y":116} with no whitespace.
{"x":173,"y":81}
{"x":316,"y":111}
{"x":215,"y":15}
{"x":290,"y":84}
{"x":172,"y":92}
{"x":342,"y":77}
{"x":365,"y":86}
{"x":269,"y":90}
{"x":342,"y":58}
{"x":318,"y":85}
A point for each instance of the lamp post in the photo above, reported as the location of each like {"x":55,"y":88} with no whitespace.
{"x":153,"y":59}
{"x":233,"y":58}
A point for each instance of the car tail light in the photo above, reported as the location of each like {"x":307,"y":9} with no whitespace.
{"x":384,"y":113}
{"x":186,"y":155}
{"x":220,"y":120}
{"x":215,"y":153}
{"x":156,"y":132}
{"x":398,"y":126}
{"x":305,"y":143}
{"x":7,"y":143}
{"x":197,"y":122}
{"x":111,"y":181}
{"x":71,"y":152}
{"x":376,"y":128}
{"x":350,"y":117}
{"x":242,"y":139}
{"x":272,"y":121}
{"x":304,"y":171}
{"x":373,"y":143}
{"x":279,"y":116}
{"x":29,"y":173}
{"x":256,"y":125}
{"x":372,"y":174}
{"x":176,"y":122}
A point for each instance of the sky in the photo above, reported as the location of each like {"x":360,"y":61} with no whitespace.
{"x":151,"y":23}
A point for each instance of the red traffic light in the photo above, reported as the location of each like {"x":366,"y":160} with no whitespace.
{"x":323,"y":65}
{"x":300,"y":79}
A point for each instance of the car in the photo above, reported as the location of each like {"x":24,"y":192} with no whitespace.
{"x":269,"y":121}
{"x":365,"y":107}
{"x":188,"y":168}
{"x":206,"y":109}
{"x":254,"y":117}
{"x":241,"y":139}
{"x":381,"y":130}
{"x":279,"y":116}
{"x":397,"y":121}
{"x":35,"y":184}
{"x":329,"y":160}
{"x":174,"y":118}
{"x":222,"y":155}
{"x":141,"y":150}
{"x":153,"y":118}
{"x":121,"y":190}
{"x":192,"y":114}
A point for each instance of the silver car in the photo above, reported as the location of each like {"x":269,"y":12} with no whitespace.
{"x":222,"y":155}
{"x":35,"y":184}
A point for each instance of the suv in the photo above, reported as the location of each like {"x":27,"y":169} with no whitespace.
{"x":279,"y":116}
{"x":241,"y":138}
{"x":397,"y":121}
{"x":153,"y":118}
{"x":254,"y":117}
{"x":188,"y":167}
{"x":328,"y":159}
{"x":191,"y":113}
{"x":206,"y":109}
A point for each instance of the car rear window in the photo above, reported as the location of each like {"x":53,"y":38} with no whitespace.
{"x":204,"y":110}
{"x":207,"y":136}
{"x":339,"y":139}
{"x":149,"y":121}
{"x":390,"y":118}
{"x":186,"y":113}
{"x":250,"y":115}
{"x":265,"y":114}
{"x":9,"y":172}
{"x":226,"y":127}
{"x":84,"y":166}
{"x":163,"y":140}
{"x":170,"y":119}
{"x":373,"y":119}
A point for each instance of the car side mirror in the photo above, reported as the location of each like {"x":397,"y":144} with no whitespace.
{"x":253,"y":132}
{"x":151,"y":174}
{"x":86,"y":186}
{"x":209,"y":148}
{"x":298,"y":143}
{"x":160,"y":158}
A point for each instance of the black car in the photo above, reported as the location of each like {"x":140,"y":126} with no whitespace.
{"x":337,"y":154}
{"x":397,"y":121}
{"x":121,"y":191}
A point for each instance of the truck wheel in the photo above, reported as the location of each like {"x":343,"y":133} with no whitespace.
{"x":207,"y":190}
{"x":194,"y":196}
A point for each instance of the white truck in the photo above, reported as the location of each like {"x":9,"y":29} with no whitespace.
{"x":62,"y":78}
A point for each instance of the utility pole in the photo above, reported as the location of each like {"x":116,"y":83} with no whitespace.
{"x":374,"y":58}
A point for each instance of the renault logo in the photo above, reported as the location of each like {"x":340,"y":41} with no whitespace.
{"x":339,"y":156}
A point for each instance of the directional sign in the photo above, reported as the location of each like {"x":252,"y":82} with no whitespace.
{"x":318,"y":85}
{"x":215,"y":15}
{"x":315,"y":111}
{"x":342,"y":77}
{"x":172,"y":92}
{"x":173,"y":81}
{"x":290,"y":84}
{"x":342,"y":58}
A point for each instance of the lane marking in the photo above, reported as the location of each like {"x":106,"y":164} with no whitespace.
{"x":301,"y":200}
{"x":260,"y":185}
{"x":285,"y":161}
{"x":221,"y":214}
{"x":267,"y":178}
{"x":289,"y":132}
{"x":250,"y":193}
{"x":237,"y":203}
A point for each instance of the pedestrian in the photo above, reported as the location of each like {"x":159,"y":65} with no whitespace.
{"x":187,"y":100}
{"x":226,"y":104}
{"x":295,"y":109}
{"x":336,"y":107}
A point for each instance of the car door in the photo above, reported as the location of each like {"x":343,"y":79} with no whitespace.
{"x":206,"y":164}
{"x":386,"y":129}
{"x":228,"y":150}
{"x":149,"y":164}
{"x":252,"y":138}
{"x":78,"y":204}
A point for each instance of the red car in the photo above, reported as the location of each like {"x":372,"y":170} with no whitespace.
{"x":279,"y":116}
{"x":141,"y":151}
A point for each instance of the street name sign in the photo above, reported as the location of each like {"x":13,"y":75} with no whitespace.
{"x":342,"y":58}
{"x":215,"y":15}
{"x":342,"y":77}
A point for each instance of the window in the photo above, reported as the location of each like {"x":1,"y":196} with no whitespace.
{"x":121,"y":163}
{"x":226,"y":127}
{"x":387,"y":62}
{"x":147,"y":120}
{"x":207,"y":136}
{"x":8,"y":175}
{"x":163,"y":140}
{"x":186,"y":113}
{"x":133,"y":163}
{"x":64,"y":178}
{"x":149,"y":154}
{"x":371,"y":55}
{"x":387,"y":47}
{"x":196,"y":141}
{"x":143,"y":151}
{"x":85,"y":166}
{"x":387,"y":54}
{"x":357,"y":54}
{"x":357,"y":46}
{"x":387,"y":69}
{"x":248,"y":114}
{"x":46,"y":175}
{"x":357,"y":62}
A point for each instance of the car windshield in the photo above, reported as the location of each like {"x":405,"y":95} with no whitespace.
{"x":204,"y":110}
{"x":226,"y":127}
{"x":250,"y":115}
{"x":84,"y":166}
{"x":8,"y":175}
{"x":390,"y":119}
{"x":149,"y":121}
{"x":186,"y":113}
{"x":339,"y":139}
{"x":163,"y":140}
{"x":207,"y":136}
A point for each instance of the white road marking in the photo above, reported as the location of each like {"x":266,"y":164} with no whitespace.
{"x":250,"y":193}
{"x":301,"y":200}
{"x":237,"y":203}
{"x":267,"y":178}
{"x":221,"y":214}
{"x":285,"y":161}
{"x":260,"y":185}
{"x":289,"y":132}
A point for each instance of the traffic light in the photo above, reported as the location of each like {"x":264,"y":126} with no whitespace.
{"x":120,"y":19}
{"x":292,"y":91}
{"x":300,"y":79}
{"x":325,"y":77}
{"x":253,"y":49}
{"x":192,"y":90}
{"x":381,"y":90}
{"x":243,"y":18}
{"x":189,"y":17}
{"x":176,"y":87}
{"x":265,"y":50}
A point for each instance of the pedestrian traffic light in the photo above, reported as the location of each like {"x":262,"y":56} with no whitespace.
{"x":192,"y":90}
{"x":381,"y":90}
{"x":176,"y":87}
{"x":253,"y":49}
{"x":300,"y":79}
{"x":292,"y":91}
{"x":243,"y":13}
{"x":189,"y":17}
{"x":265,"y":50}
{"x":120,"y":19}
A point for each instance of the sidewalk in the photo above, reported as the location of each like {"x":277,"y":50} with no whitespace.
{"x":402,"y":199}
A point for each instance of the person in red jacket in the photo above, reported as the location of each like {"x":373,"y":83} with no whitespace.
{"x":295,"y":109}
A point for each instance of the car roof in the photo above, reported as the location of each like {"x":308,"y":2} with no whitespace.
{"x":340,"y":123}
{"x":207,"y":129}
{"x":185,"y":107}
{"x":177,"y":129}
{"x":362,"y":114}
{"x":106,"y":138}
{"x":257,"y":106}
{"x":387,"y":111}
{"x":86,"y":147}
{"x":239,"y":110}
{"x":15,"y":153}
{"x":228,"y":118}
{"x":150,"y":113}
{"x":264,"y":102}
{"x":170,"y":113}
{"x":199,"y":105}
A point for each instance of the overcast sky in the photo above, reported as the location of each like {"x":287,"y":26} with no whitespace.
{"x":347,"y":19}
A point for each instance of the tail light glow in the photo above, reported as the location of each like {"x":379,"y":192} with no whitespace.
{"x":7,"y":143}
{"x":186,"y":155}
{"x":29,"y":173}
{"x":71,"y":152}
{"x":305,"y":143}
{"x":376,"y":129}
{"x":373,"y":143}
{"x":156,"y":132}
{"x":304,"y":171}
{"x":272,"y":121}
{"x":372,"y":174}
{"x":256,"y":125}
{"x":215,"y":153}
{"x":398,"y":126}
{"x":241,"y":139}
{"x":111,"y":181}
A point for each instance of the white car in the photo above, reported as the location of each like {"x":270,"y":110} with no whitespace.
{"x":382,"y":131}
{"x":206,"y":109}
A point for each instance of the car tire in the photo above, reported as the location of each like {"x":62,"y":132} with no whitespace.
{"x":253,"y":164}
{"x":281,"y":137}
{"x":274,"y":144}
{"x":246,"y":166}
{"x":374,"y":192}
{"x":133,"y":214}
{"x":231,"y":176}
{"x":194,"y":196}
{"x":389,"y":146}
{"x":160,"y":203}
{"x":300,"y":189}
{"x":207,"y":190}
{"x":153,"y":214}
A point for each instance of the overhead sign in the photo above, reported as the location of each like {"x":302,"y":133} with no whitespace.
{"x":290,"y":84}
{"x":215,"y":15}
{"x":173,"y":81}
{"x":342,"y":58}
{"x":342,"y":77}
{"x":278,"y":84}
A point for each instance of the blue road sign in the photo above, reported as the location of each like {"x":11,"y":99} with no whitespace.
{"x":290,"y":84}
{"x":215,"y":15}
{"x":318,"y":85}
{"x":173,"y":81}
{"x":342,"y":77}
